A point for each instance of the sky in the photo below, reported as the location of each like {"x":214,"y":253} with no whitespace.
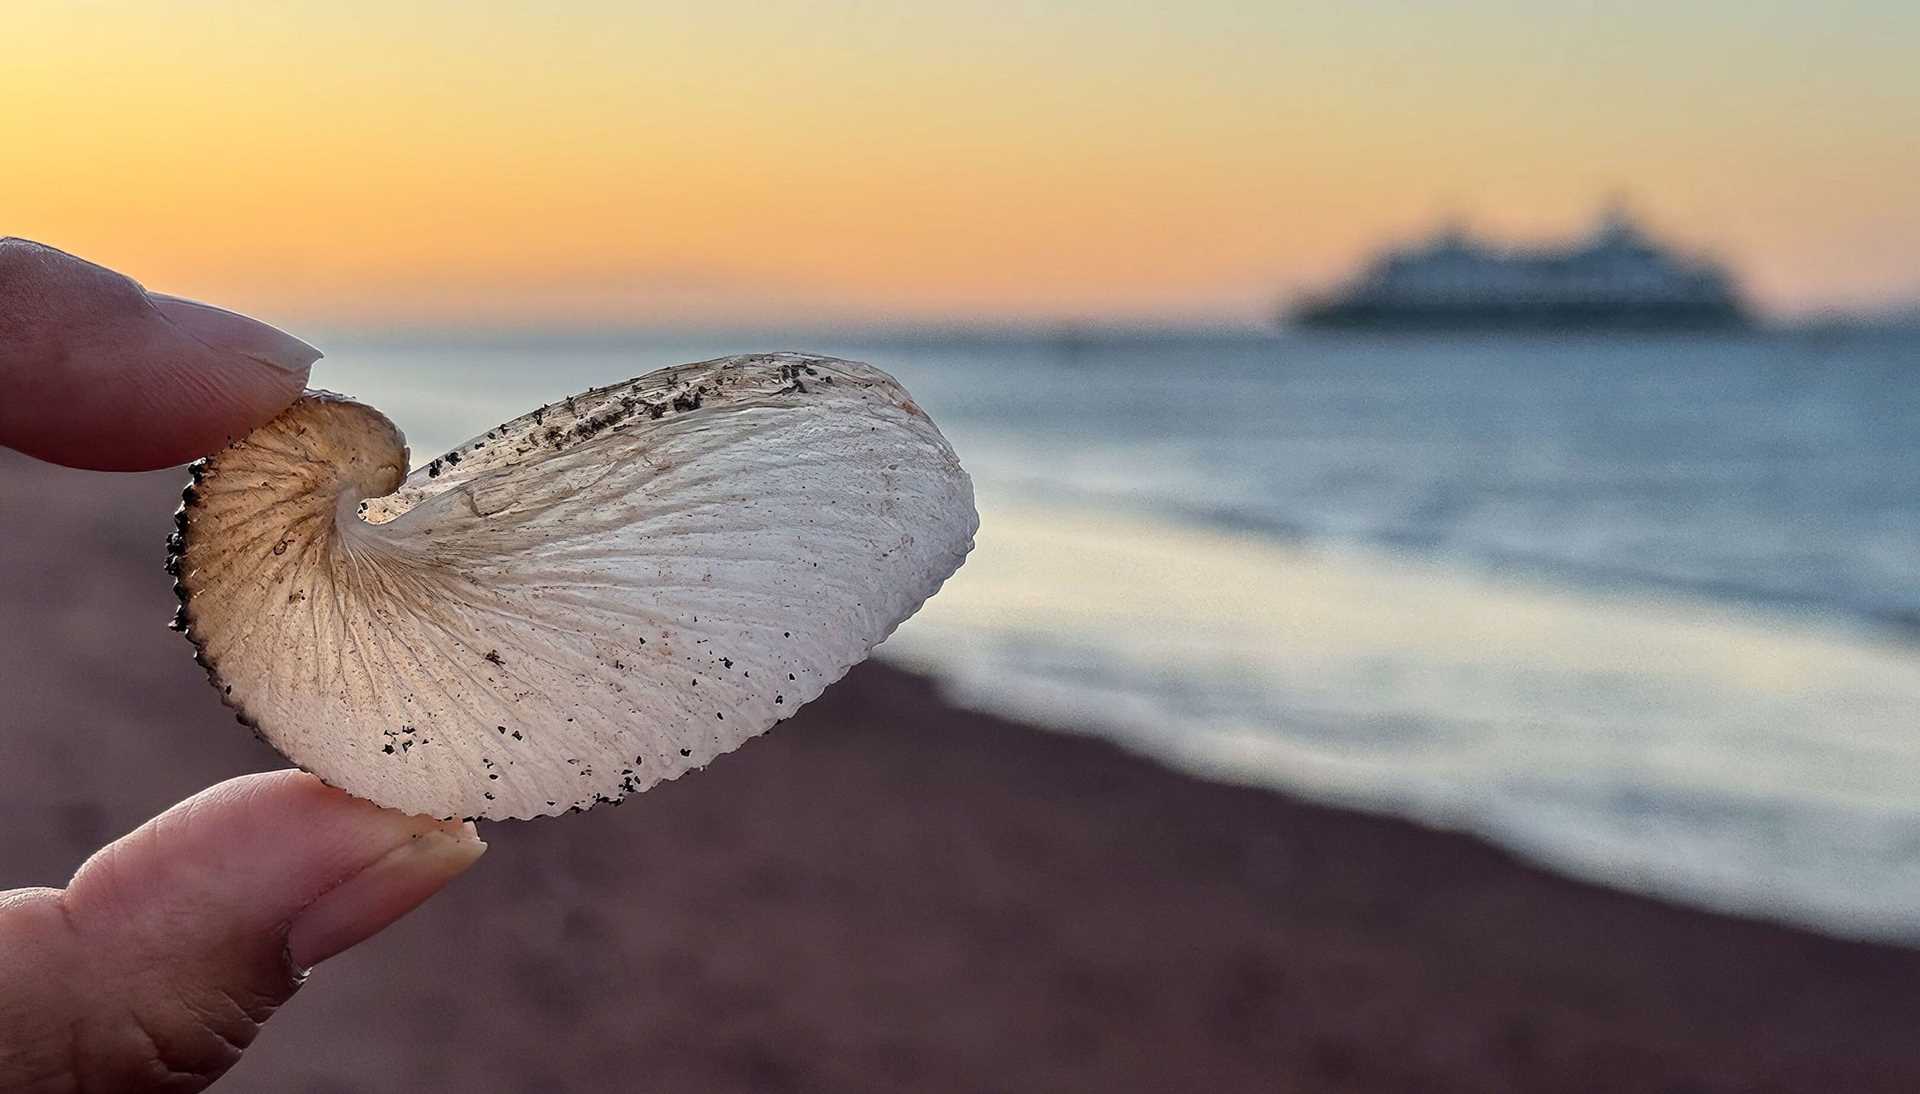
{"x":1193,"y":162}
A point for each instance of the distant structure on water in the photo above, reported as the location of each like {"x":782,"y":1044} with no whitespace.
{"x":1617,"y":278}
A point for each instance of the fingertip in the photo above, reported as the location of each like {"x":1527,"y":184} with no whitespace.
{"x":282,"y":841}
{"x":172,"y":945}
{"x":97,"y":373}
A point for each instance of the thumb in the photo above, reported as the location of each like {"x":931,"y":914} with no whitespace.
{"x":97,"y":372}
{"x":156,"y":966}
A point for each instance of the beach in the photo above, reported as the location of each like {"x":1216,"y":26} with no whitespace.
{"x":1379,"y":541}
{"x":890,"y":892}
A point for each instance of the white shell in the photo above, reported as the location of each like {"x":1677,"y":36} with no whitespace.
{"x":591,"y":598}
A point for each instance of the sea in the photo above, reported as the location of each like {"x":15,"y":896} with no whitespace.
{"x":1645,"y":610}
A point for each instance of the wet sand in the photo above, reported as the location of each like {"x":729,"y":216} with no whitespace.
{"x":889,"y":893}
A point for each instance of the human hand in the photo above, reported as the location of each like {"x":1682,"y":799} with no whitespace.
{"x":157,"y":964}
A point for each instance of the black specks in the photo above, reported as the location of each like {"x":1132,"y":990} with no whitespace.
{"x":779,"y":699}
{"x":791,"y":374}
{"x":540,"y":416}
{"x":606,"y":419}
{"x":388,"y":749}
{"x":517,"y":737}
{"x":228,"y":690}
{"x":726,"y":662}
{"x":618,"y":666}
{"x":719,"y":716}
{"x":453,"y":459}
{"x":489,"y":795}
{"x":494,"y":656}
{"x":502,"y":729}
{"x":789,"y":676}
{"x":686,"y":752}
{"x":690,"y":400}
{"x":786,"y":634}
{"x":433,"y":470}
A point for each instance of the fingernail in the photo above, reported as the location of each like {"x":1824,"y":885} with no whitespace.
{"x":235,"y":333}
{"x":392,"y":886}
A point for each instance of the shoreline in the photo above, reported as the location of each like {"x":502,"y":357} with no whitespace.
{"x":1659,"y":742}
{"x":889,"y":892}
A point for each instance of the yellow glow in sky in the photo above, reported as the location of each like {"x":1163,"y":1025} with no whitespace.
{"x":660,"y":163}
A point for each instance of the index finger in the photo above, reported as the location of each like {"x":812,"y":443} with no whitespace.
{"x":96,"y":372}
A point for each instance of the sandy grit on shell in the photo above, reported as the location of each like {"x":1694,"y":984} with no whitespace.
{"x":594,"y":597}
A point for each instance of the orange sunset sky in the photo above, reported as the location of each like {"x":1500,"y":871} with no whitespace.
{"x":710,"y":162}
